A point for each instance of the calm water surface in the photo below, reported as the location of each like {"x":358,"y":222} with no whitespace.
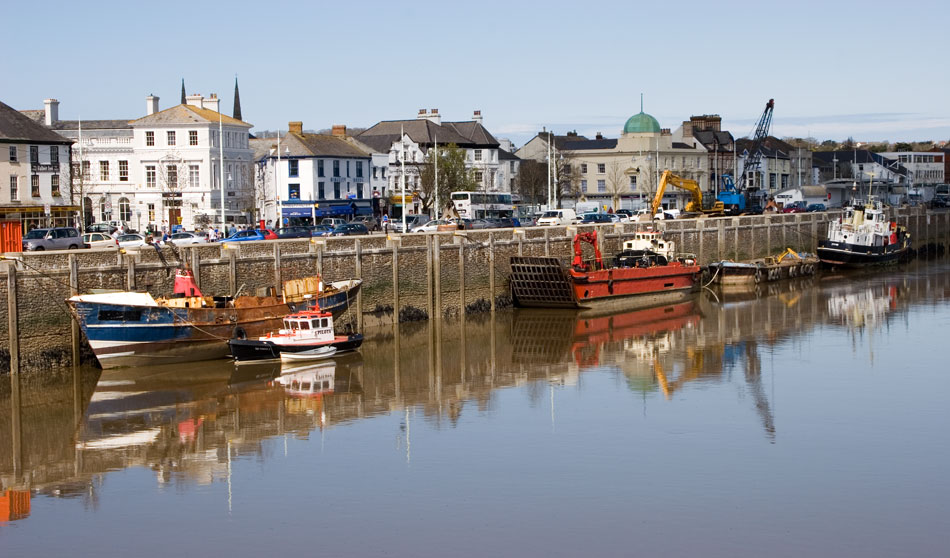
{"x":805,"y":419}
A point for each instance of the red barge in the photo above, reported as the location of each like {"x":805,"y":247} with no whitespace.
{"x":645,"y":273}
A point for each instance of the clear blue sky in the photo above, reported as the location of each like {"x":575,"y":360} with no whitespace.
{"x":871,"y":70}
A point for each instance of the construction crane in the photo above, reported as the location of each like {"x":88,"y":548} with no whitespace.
{"x":732,"y":194}
{"x":698,"y":204}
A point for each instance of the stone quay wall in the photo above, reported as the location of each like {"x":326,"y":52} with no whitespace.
{"x":406,"y":278}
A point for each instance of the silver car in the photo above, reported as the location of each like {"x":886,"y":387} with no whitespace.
{"x":185,"y":238}
{"x":59,"y":238}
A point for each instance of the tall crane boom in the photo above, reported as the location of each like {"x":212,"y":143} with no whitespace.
{"x":758,"y":137}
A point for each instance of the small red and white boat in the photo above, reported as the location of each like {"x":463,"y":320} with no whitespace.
{"x":306,"y":335}
{"x":646,"y":272}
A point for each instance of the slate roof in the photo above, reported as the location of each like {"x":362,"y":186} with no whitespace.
{"x":507,"y":156}
{"x":710,"y":138}
{"x":18,"y":127}
{"x":382,"y":135}
{"x":859,"y":156}
{"x":92,"y":125}
{"x":743,"y":144}
{"x":586,"y":144}
{"x":320,"y":145}
{"x":186,"y":114}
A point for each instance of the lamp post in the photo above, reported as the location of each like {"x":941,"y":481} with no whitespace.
{"x":402,"y":140}
{"x":221,"y":173}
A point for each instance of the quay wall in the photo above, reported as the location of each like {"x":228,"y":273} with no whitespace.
{"x":405,"y":278}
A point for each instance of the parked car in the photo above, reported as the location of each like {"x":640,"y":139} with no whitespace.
{"x":185,"y":238}
{"x":370,"y":222}
{"x":246,"y":236}
{"x":504,"y":222}
{"x":812,"y":207}
{"x":475,"y":224}
{"x":99,"y":240}
{"x":595,"y":218}
{"x":294,"y":232}
{"x":411,"y":221}
{"x":332,"y":221}
{"x":58,"y":238}
{"x":626,"y":212}
{"x":619,"y":217}
{"x":794,"y":207}
{"x":558,"y":217}
{"x":350,"y":229}
{"x":107,"y":228}
{"x":436,"y":225}
{"x":132,"y":240}
{"x":320,"y":230}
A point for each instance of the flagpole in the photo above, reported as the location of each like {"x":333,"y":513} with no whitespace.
{"x":437,"y":208}
{"x":279,"y":221}
{"x":402,"y":140}
{"x":221,"y":156}
{"x":82,"y":186}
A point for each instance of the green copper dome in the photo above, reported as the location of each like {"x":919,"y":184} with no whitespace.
{"x":641,"y":123}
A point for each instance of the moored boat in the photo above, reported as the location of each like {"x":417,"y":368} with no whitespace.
{"x":787,"y":265}
{"x":646,"y":272}
{"x":306,"y":335}
{"x":864,"y":237}
{"x":135,"y":329}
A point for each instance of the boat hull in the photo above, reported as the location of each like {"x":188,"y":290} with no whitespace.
{"x":538,"y":282}
{"x":250,"y":350}
{"x":840,"y":254}
{"x":738,"y":273}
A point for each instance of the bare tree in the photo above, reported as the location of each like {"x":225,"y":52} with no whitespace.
{"x":618,"y":182}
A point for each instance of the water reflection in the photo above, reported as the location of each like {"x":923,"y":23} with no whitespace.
{"x":188,"y":423}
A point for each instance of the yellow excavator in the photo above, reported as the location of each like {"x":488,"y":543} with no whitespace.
{"x":699,"y":204}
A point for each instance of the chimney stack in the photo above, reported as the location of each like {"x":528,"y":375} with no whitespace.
{"x":339,"y":131}
{"x":211,"y":102}
{"x":687,"y":129}
{"x":194,"y":100}
{"x":52,"y":111}
{"x":295,"y":127}
{"x":477,"y":117}
{"x":151,"y":105}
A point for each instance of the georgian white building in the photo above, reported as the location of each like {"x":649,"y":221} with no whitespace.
{"x":178,"y":171}
{"x":923,"y":167}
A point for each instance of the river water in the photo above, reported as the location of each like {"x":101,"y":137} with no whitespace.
{"x":806,"y":418}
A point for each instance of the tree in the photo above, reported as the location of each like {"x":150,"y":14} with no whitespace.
{"x":454,"y":176}
{"x":902,"y":146}
{"x":618,"y":182}
{"x":533,"y":181}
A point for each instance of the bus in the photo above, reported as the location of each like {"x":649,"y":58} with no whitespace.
{"x":482,"y":205}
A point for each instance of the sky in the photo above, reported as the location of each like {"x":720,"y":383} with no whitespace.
{"x":869,"y":70}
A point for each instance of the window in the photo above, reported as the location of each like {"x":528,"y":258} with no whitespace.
{"x":171,"y":172}
{"x":123,"y":171}
{"x":583,"y":185}
{"x":86,"y":169}
{"x":359,"y":169}
{"x":150,"y":176}
{"x":319,"y":167}
{"x":193,"y":176}
{"x":14,"y":184}
{"x":171,"y":138}
{"x":633,"y":182}
{"x":293,"y":166}
{"x":294,"y":191}
{"x":336,"y":190}
{"x":511,"y":166}
{"x":784,"y":181}
{"x":601,"y":168}
{"x":103,"y":170}
{"x":35,"y":185}
{"x":478,"y":177}
{"x":348,"y":168}
{"x":478,"y":154}
{"x":601,"y":186}
{"x":336,"y":168}
{"x":192,"y":137}
{"x":375,"y":172}
{"x":13,"y":154}
{"x":771,"y":181}
{"x":54,"y":185}
{"x":103,"y":212}
{"x":583,"y":168}
{"x":34,"y":154}
{"x":320,"y":191}
{"x":53,"y":155}
{"x":125,"y":209}
{"x":149,"y":138}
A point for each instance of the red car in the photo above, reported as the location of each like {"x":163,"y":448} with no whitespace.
{"x":794,"y":207}
{"x":268,"y":234}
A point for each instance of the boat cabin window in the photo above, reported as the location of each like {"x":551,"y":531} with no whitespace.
{"x":325,"y":322}
{"x":315,"y":323}
{"x":304,"y":325}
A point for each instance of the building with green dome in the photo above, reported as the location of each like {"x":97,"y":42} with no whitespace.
{"x":641,"y":123}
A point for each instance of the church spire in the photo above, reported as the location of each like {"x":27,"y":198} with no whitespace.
{"x":236,"y":113}
{"x":183,"y":100}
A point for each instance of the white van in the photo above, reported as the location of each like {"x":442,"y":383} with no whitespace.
{"x":558,"y":217}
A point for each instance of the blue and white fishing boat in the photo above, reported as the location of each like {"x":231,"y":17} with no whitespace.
{"x":134,"y":329}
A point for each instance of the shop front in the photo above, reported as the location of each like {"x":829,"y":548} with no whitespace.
{"x":308,"y":213}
